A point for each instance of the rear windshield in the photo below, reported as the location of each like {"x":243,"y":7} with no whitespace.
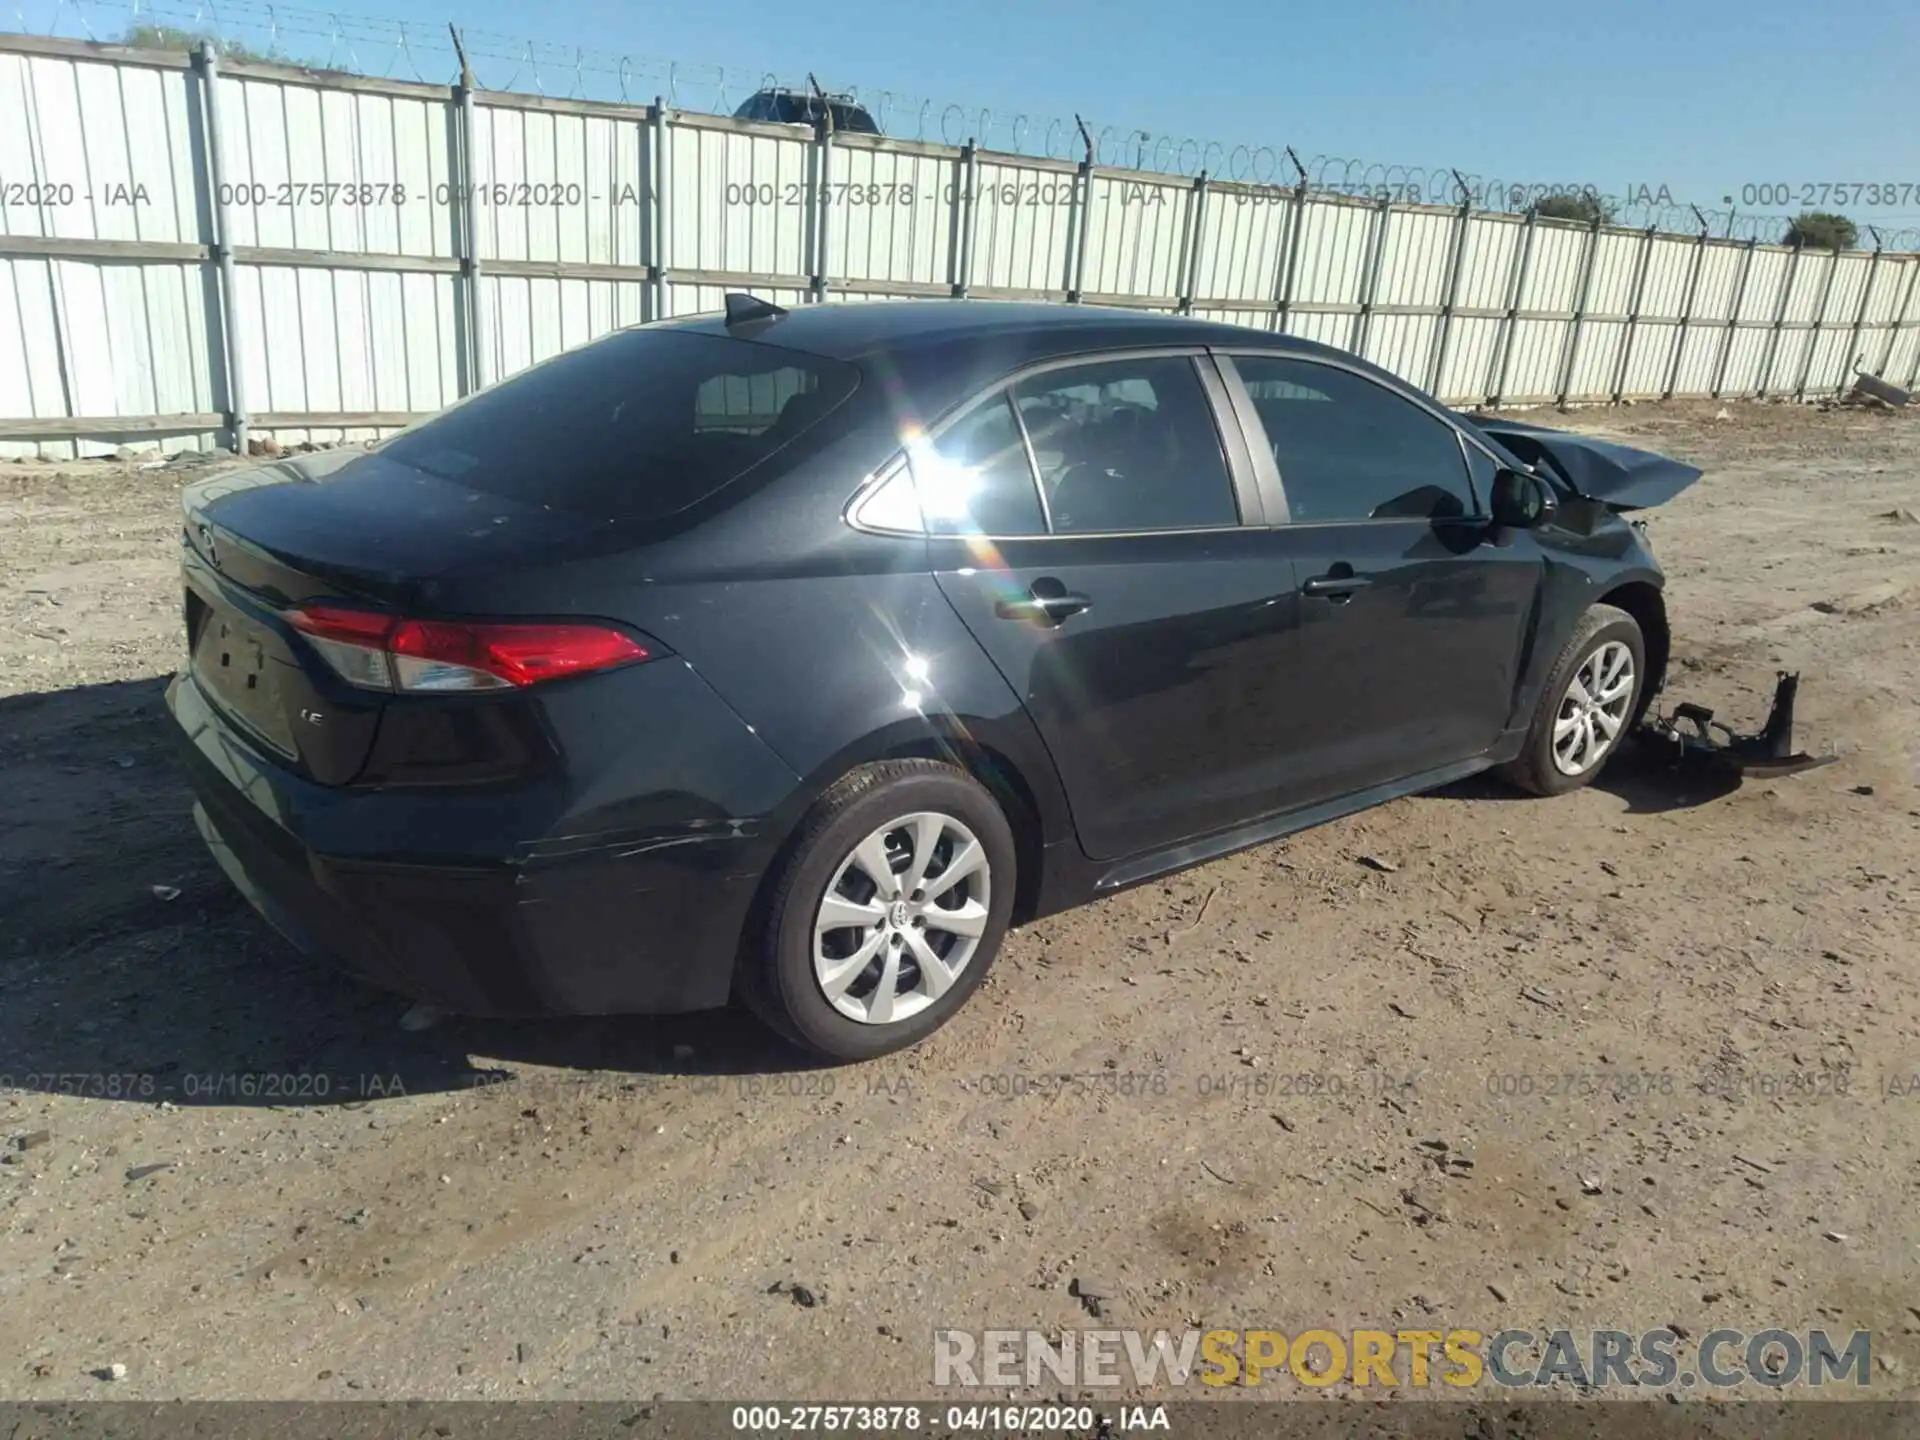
{"x":637,"y":426}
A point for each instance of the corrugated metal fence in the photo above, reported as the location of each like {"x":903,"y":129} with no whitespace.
{"x":191,"y":250}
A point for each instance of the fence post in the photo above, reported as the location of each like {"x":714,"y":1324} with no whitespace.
{"x":214,"y":176}
{"x":1462,"y":228}
{"x":1633,"y":314}
{"x":1913,"y":376}
{"x":1733,"y":320}
{"x":1589,"y":263}
{"x":1912,"y":267}
{"x":1852,"y":362}
{"x":1686,"y":312}
{"x":1819,"y":320}
{"x":1363,"y":322}
{"x":467,"y":234}
{"x":1078,"y":218}
{"x":1290,"y":257}
{"x":1516,"y":285}
{"x":823,"y":207}
{"x":962,"y":213}
{"x":1190,"y":264}
{"x":657,"y":207}
{"x":1780,"y":316}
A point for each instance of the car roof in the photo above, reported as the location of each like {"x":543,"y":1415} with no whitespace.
{"x":856,"y":330}
{"x":800,"y":92}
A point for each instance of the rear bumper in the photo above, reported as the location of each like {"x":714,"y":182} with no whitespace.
{"x":509,"y":904}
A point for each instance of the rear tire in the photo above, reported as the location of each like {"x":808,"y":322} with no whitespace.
{"x":850,"y":963}
{"x":1590,"y":697}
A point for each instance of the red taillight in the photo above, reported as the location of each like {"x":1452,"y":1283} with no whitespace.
{"x":388,"y":652}
{"x":517,"y":654}
{"x":337,"y":622}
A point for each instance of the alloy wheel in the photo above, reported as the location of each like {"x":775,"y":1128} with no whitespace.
{"x":1594,"y":709}
{"x":901,"y":918}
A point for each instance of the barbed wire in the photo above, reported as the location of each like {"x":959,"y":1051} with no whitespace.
{"x":402,"y":50}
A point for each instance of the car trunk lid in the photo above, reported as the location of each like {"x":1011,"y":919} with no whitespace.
{"x":358,"y":524}
{"x":344,"y":527}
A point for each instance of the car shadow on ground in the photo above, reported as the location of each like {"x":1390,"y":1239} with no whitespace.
{"x":1646,"y":782}
{"x":132,"y":970}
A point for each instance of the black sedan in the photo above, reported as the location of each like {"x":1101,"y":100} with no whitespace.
{"x":796,"y":656}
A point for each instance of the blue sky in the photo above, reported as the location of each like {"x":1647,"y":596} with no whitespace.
{"x":1701,"y":96}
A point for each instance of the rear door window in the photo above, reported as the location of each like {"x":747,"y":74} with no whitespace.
{"x":637,"y":426}
{"x":1127,"y":445}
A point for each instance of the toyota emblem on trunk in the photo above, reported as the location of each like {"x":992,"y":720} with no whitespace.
{"x":206,"y":544}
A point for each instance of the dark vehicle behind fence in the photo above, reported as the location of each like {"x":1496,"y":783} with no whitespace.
{"x":803,"y":107}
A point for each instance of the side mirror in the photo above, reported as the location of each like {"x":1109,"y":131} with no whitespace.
{"x":1522,"y":501}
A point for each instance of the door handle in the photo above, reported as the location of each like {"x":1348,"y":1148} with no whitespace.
{"x":1043,"y":604}
{"x":1335,"y":587}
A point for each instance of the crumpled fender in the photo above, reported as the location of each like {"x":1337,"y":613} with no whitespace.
{"x":1617,"y":476}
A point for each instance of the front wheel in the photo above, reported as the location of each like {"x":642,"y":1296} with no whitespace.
{"x":1590,"y":696}
{"x":890,"y":907}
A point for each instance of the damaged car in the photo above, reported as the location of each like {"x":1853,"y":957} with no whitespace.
{"x":794,"y":657}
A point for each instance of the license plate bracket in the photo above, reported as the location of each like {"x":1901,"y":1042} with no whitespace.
{"x":231,"y":661}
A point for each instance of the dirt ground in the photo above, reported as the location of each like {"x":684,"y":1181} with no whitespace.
{"x":1667,"y":1036}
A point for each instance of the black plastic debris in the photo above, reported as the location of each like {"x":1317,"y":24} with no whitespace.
{"x":1690,"y":736}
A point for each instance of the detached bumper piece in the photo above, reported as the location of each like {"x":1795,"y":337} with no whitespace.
{"x":1692,"y":737}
